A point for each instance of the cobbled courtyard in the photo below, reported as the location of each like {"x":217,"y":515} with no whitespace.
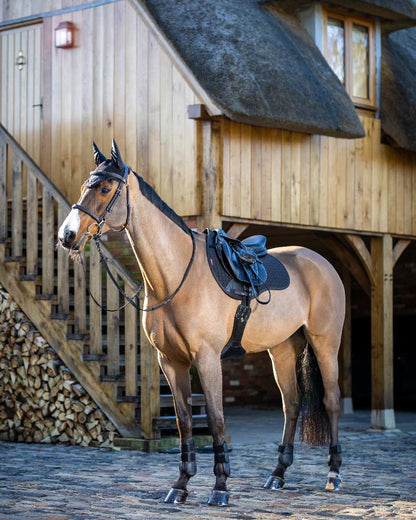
{"x":73,"y":483}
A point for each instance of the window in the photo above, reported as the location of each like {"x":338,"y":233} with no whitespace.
{"x":349,"y":50}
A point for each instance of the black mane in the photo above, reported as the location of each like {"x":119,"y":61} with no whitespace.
{"x":153,"y":197}
{"x":108,"y":167}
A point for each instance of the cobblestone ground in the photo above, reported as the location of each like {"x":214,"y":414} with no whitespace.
{"x":72,"y":483}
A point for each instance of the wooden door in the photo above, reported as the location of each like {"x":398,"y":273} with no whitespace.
{"x":20,"y":86}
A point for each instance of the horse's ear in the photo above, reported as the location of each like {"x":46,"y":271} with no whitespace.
{"x":98,"y":156}
{"x":115,"y":155}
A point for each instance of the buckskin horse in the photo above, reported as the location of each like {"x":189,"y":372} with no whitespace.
{"x":191,"y":319}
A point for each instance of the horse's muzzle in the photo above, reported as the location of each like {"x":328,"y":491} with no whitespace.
{"x":67,"y":239}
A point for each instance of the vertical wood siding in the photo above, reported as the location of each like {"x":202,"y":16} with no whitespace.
{"x":116,"y":82}
{"x":21,"y":89}
{"x":280,"y":176}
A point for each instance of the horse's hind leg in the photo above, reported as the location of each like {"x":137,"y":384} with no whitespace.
{"x":283,"y":358}
{"x":326,"y":351}
{"x":177,"y":375}
{"x":209,"y":368}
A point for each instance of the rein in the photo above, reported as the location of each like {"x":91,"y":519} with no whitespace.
{"x":100,"y":221}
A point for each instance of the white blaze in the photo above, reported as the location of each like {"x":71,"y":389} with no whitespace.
{"x":71,"y":223}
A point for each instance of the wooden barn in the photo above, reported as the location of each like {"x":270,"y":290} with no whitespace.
{"x":292,"y":119}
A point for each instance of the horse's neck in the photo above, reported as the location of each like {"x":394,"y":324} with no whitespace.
{"x":161,"y":247}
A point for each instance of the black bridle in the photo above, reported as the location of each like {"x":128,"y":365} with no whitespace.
{"x":100,"y":221}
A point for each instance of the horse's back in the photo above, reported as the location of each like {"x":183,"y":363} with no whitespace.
{"x":321,"y":282}
{"x":306,"y":261}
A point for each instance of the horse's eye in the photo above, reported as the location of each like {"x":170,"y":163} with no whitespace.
{"x":105,"y":190}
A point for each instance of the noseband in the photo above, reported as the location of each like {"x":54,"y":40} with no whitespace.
{"x":100,"y":221}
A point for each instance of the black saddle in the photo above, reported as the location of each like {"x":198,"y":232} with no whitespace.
{"x":244,"y":270}
{"x":229,"y":276}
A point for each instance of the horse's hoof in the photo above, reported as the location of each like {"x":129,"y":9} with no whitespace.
{"x":274,"y":482}
{"x":333,"y":482}
{"x":219,"y":498}
{"x":176,"y":496}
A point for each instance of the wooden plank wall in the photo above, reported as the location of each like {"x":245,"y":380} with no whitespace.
{"x":117,"y":82}
{"x":21,"y":89}
{"x":279,"y":176}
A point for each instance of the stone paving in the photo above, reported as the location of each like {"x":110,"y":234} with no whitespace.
{"x":44,"y":482}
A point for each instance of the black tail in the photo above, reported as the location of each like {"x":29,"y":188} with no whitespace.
{"x":313,"y":419}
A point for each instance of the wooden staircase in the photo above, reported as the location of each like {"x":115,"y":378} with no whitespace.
{"x":101,"y":352}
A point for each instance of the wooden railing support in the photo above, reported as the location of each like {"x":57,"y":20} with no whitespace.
{"x":65,"y":289}
{"x":17,"y":206}
{"x":150,"y":381}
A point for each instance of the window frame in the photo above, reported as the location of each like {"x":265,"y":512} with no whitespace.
{"x":349,"y":21}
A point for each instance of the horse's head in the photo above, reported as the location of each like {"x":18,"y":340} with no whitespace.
{"x":103,"y":204}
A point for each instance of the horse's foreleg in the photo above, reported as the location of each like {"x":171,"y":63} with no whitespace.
{"x":326,"y":354}
{"x":209,"y":369}
{"x":283,"y":359}
{"x":177,"y":375}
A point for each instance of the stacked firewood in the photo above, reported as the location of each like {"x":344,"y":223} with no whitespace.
{"x":40,"y":400}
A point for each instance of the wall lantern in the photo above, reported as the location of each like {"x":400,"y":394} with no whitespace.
{"x":64,"y":35}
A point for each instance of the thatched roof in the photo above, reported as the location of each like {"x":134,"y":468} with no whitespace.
{"x":398,"y":88}
{"x":259,"y":68}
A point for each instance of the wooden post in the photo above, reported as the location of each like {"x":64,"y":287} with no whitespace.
{"x":209,"y":157}
{"x":17,"y":206}
{"x":382,"y":406}
{"x":48,"y":243}
{"x":95,"y":311}
{"x":345,"y":350}
{"x":80,"y":309}
{"x":130,"y":345}
{"x":3,"y":192}
{"x":63,"y":280}
{"x":31,"y":224}
{"x":150,"y":384}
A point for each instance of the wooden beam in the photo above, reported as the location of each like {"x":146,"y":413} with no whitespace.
{"x":198,"y":112}
{"x":348,"y":260}
{"x":209,"y":159}
{"x":363,"y":253}
{"x":236,"y":230}
{"x":399,"y":248}
{"x":382,"y":411}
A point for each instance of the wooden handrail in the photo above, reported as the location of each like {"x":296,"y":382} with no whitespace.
{"x":53,"y":191}
{"x":63,"y":281}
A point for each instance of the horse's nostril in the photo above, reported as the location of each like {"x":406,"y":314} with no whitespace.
{"x":69,"y":236}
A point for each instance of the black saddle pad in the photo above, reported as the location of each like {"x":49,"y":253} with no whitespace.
{"x":277,"y":275}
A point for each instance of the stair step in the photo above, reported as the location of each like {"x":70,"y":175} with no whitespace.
{"x":168,"y":422}
{"x":44,"y":296}
{"x":12,"y":259}
{"x":110,"y":378}
{"x":166,"y":400}
{"x":129,"y":399}
{"x":81,"y":337}
{"x":59,"y":316}
{"x":93,"y":357}
{"x":28,"y":277}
